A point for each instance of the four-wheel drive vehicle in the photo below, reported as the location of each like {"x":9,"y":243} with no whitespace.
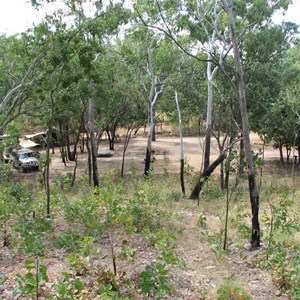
{"x":24,"y":159}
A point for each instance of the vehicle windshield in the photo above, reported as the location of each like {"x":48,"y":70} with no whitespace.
{"x":25,"y":155}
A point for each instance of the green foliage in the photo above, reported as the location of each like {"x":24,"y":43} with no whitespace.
{"x":82,"y":260}
{"x":188,"y":169}
{"x":231,"y":289}
{"x":284,"y":220}
{"x":69,"y":241}
{"x":78,"y":263}
{"x":68,"y":288}
{"x":175,"y":196}
{"x":215,"y":240}
{"x":6,"y":173}
{"x":107,"y":292}
{"x":212,"y":190}
{"x":84,"y":211}
{"x":7,"y":202}
{"x":282,"y":255}
{"x":127,"y":252}
{"x":133,"y":168}
{"x":284,"y":264}
{"x":32,"y":235}
{"x":240,"y":221}
{"x":65,"y":182}
{"x":16,"y":218}
{"x":154,"y":281}
{"x":139,"y":212}
{"x":29,"y":284}
{"x":202,"y":221}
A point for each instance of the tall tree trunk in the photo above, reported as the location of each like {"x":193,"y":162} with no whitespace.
{"x":153,"y":132}
{"x":74,"y":171}
{"x":181,"y":146}
{"x":253,"y":191}
{"x":47,"y":173}
{"x":152,"y":98}
{"x":208,"y":118}
{"x":240,"y":167}
{"x":68,"y":142}
{"x":210,"y":77}
{"x":88,"y":147}
{"x":93,"y":144}
{"x":149,"y":148}
{"x":61,"y":145}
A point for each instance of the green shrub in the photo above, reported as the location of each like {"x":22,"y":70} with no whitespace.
{"x":231,"y":289}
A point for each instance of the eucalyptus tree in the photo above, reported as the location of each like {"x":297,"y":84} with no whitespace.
{"x":20,"y":61}
{"x":90,"y":36}
{"x":153,"y":86}
{"x":152,"y":60}
{"x":115,"y":80}
{"x":194,"y":26}
{"x":260,"y":13}
{"x":266,"y":69}
{"x":226,"y":125}
{"x":279,"y":122}
{"x":189,"y":80}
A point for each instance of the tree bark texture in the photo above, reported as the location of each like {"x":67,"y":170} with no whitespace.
{"x":181,"y":146}
{"x":205,"y":175}
{"x":253,"y":191}
{"x":93,"y":144}
{"x":152,"y":98}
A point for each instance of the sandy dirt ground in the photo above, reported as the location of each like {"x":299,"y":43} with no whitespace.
{"x":166,"y":156}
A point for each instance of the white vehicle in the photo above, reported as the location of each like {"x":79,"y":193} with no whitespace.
{"x":24,"y":159}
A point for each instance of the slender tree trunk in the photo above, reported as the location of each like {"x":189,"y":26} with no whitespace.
{"x":126,"y":142}
{"x":221,"y":145}
{"x":210,"y":77}
{"x":76,"y":142}
{"x":61,"y":146}
{"x":153,"y":137}
{"x":93,"y":144}
{"x":47,"y":173}
{"x":68,"y":142}
{"x":89,"y":157}
{"x":82,"y":143}
{"x":109,"y":138}
{"x":152,"y":98}
{"x":181,"y":146}
{"x":254,"y":197}
{"x":288,"y":153}
{"x":74,"y":171}
{"x":148,"y":150}
{"x":240,"y":167}
{"x":111,"y":132}
{"x":199,"y":126}
{"x":208,"y":119}
{"x":280,"y":147}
